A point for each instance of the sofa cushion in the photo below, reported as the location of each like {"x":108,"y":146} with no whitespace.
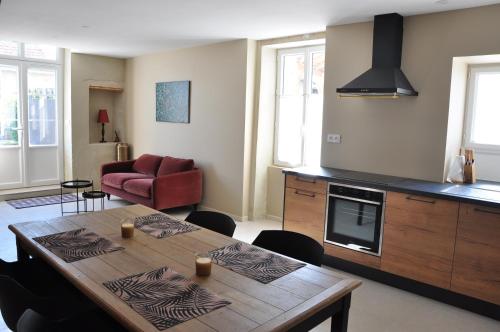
{"x":170,"y":165}
{"x":147,"y":164}
{"x":116,"y":180}
{"x":139,"y":187}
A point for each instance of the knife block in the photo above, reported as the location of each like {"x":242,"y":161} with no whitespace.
{"x":470,"y":173}
{"x":469,"y":167}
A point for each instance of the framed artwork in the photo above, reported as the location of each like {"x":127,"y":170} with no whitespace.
{"x":172,"y":101}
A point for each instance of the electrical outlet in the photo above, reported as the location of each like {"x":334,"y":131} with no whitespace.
{"x":334,"y":138}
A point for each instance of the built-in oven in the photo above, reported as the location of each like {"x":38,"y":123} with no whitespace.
{"x":355,"y":217}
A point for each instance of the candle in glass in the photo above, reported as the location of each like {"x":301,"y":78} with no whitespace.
{"x":203,"y":265}
{"x":127,"y":229}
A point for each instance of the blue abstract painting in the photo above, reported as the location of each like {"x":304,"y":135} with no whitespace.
{"x":172,"y":101}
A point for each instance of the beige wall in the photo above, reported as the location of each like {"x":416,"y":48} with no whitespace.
{"x":67,"y":123}
{"x":86,"y":70}
{"x":251,"y":57}
{"x":275,"y":192}
{"x":263,"y":136}
{"x":215,"y":137}
{"x":405,"y":137}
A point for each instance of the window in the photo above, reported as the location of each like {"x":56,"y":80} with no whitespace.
{"x":28,"y":72}
{"x":9,"y":105}
{"x":299,"y":106}
{"x":483,"y":109}
{"x":42,"y":118}
{"x":31,"y":52}
{"x":36,"y":51}
{"x":9,"y":48}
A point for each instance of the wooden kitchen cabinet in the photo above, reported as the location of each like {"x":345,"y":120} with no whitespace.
{"x":306,"y":183}
{"x":419,"y":238}
{"x":476,"y":266}
{"x":305,"y":205}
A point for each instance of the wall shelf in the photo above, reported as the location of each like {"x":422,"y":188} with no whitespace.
{"x":105,"y":88}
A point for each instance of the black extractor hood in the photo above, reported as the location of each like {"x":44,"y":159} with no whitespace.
{"x":385,"y":78}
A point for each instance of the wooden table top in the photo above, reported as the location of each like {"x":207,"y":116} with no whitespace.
{"x":276,"y":306}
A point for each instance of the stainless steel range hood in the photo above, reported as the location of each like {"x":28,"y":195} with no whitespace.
{"x":385,"y":78}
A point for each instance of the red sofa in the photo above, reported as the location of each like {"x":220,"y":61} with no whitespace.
{"x":154,"y":181}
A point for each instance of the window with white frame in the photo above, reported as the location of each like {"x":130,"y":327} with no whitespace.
{"x":299,"y":106}
{"x":35,"y":69}
{"x":482,"y":125}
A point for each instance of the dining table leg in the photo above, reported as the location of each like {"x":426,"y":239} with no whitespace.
{"x":22,"y":255}
{"x":341,"y":317}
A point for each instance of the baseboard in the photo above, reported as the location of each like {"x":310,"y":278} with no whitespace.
{"x":439,"y":294}
{"x":273,"y":218}
{"x":8,"y":194}
{"x":235,"y":217}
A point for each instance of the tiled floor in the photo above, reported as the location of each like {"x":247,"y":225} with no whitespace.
{"x":375,"y":307}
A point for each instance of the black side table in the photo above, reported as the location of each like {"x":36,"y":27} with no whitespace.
{"x":93,"y":194}
{"x":77,"y":185}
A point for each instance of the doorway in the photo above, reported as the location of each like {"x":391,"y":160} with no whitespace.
{"x":30,"y":117}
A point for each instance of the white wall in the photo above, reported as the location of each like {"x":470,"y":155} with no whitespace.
{"x":406,"y":137}
{"x":215,"y":137}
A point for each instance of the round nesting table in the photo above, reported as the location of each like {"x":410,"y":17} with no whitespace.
{"x":93,"y":194}
{"x":76,"y":185}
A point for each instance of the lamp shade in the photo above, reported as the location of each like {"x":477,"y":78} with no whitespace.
{"x":103,"y":116}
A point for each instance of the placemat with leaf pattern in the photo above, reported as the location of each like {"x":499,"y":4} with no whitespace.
{"x":72,"y":246}
{"x":253,"y":262}
{"x":164,"y":297}
{"x":161,"y":226}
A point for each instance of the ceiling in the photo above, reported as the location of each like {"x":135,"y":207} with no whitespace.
{"x":126,"y":28}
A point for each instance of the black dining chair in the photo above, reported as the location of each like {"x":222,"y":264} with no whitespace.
{"x":35,"y":275}
{"x":215,"y":221}
{"x":32,"y":321}
{"x":15,"y":299}
{"x":34,"y":285}
{"x":291,"y":244}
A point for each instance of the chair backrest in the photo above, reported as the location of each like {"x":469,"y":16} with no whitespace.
{"x":215,"y":221}
{"x":14,"y":300}
{"x":291,"y":244}
{"x":32,"y":321}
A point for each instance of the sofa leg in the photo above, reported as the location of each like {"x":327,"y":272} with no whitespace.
{"x":195,"y":207}
{"x":109,"y":196}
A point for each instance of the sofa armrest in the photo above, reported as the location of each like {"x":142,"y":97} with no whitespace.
{"x":178,"y":189}
{"x":117,"y":167}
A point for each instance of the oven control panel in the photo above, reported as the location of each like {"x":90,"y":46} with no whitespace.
{"x":357,"y":192}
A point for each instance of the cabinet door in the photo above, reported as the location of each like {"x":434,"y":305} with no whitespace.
{"x":476,"y":265}
{"x":305,"y":213}
{"x":419,"y":238}
{"x":306,"y":183}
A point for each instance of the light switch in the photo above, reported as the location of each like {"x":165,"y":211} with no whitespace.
{"x":334,"y":138}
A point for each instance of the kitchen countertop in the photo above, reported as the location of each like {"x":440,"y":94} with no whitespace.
{"x":485,"y":193}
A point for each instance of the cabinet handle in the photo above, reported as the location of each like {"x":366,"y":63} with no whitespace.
{"x":420,"y":200}
{"x":305,"y":180}
{"x":486,"y":211}
{"x":305,"y":193}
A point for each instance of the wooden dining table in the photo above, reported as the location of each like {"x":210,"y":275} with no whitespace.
{"x":297,"y":301}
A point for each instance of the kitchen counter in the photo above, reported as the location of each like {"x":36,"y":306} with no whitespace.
{"x":485,"y":193}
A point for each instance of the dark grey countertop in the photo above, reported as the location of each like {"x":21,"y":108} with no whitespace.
{"x":482,"y":192}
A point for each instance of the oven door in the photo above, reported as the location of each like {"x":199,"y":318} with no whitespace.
{"x":354,"y":223}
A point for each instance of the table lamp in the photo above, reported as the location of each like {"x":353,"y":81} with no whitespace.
{"x":103,"y":118}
